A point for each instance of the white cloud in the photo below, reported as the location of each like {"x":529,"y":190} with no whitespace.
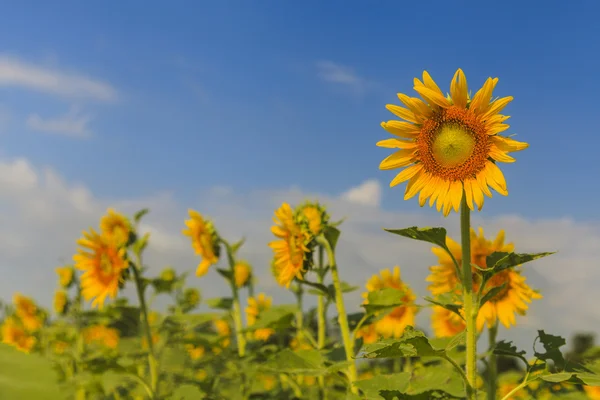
{"x":338,"y":74}
{"x":16,"y":72}
{"x":41,"y":215}
{"x":367,"y":193}
{"x":73,"y":124}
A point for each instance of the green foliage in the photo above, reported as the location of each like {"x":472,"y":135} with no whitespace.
{"x":383,"y":300}
{"x":413,"y":343}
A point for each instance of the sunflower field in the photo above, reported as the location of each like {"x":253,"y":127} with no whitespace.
{"x":98,"y":344}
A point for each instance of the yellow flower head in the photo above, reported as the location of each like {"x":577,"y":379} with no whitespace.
{"x":14,"y":334}
{"x":27,"y":312}
{"x":115,"y":226}
{"x":104,"y":263}
{"x":448,"y":145}
{"x":60,"y":301}
{"x":60,"y":347}
{"x":242,"y":271}
{"x":446,"y":323}
{"x":268,"y":382}
{"x":201,"y":375}
{"x":315,"y":216}
{"x":291,"y":250}
{"x":205,"y":240}
{"x":368,"y":334}
{"x":296,"y":344}
{"x":223,"y":329}
{"x":102,"y":335}
{"x":168,"y":274}
{"x":503,"y":306}
{"x":593,"y":392}
{"x":65,"y":276}
{"x":195,"y":352}
{"x":256,"y":305}
{"x":393,"y":324}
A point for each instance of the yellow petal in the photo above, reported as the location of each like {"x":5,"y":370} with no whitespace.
{"x":456,"y":192}
{"x":477,"y":194}
{"x":432,"y":97}
{"x":406,"y":174}
{"x":458,"y":89}
{"x":499,"y":155}
{"x":416,"y":105}
{"x":481,"y":100}
{"x":468,"y":194}
{"x":496,"y":128}
{"x":508,"y":144}
{"x":401,"y":158}
{"x":497,"y":106}
{"x":402,"y":112}
{"x":394,"y":143}
{"x":430,"y":83}
{"x":415,"y":184}
{"x":482,"y":184}
{"x":402,"y":129}
{"x":495,"y":178}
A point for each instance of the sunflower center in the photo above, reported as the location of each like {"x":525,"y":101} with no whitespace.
{"x":106,"y":264}
{"x":453,"y":145}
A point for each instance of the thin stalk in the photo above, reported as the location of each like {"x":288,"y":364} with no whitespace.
{"x":237,"y":309}
{"x":342,"y":317}
{"x":299,"y":314}
{"x":321,"y":321}
{"x":492,"y":363}
{"x":152,"y":361}
{"x":468,"y":298}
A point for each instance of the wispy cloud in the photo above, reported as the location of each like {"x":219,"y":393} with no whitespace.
{"x":16,"y":72}
{"x":73,"y":124}
{"x":367,"y":193}
{"x":339,"y":74}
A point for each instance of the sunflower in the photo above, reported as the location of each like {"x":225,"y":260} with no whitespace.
{"x":60,"y":347}
{"x":593,"y":392}
{"x":514,"y":296}
{"x":291,"y":250}
{"x":14,"y":334}
{"x":223,"y":329}
{"x":195,"y":352}
{"x":191,"y":298}
{"x":104,"y":263}
{"x":315,"y":216}
{"x":368,"y":334}
{"x":102,"y":335}
{"x":60,"y":301}
{"x":205,"y":240}
{"x":241,"y":273}
{"x":168,"y":275}
{"x":393,"y":323}
{"x":449,"y":145}
{"x":256,"y":305}
{"x":446,"y":323}
{"x":65,"y":276}
{"x":116,"y":226}
{"x":27,"y":312}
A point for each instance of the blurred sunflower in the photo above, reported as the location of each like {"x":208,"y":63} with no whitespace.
{"x":296,"y":344}
{"x":65,"y":276}
{"x":102,"y":335}
{"x":223,"y":329}
{"x":394,"y":322}
{"x":205,"y":240}
{"x":290,"y":250}
{"x":27,"y":312}
{"x":446,"y":323}
{"x":315,"y":216}
{"x":116,"y":226}
{"x":514,"y":296}
{"x":449,"y":144}
{"x":242,"y":271}
{"x":60,"y":301}
{"x":268,"y":382}
{"x":367,"y":333}
{"x":256,"y":305}
{"x":195,"y":352}
{"x":104,"y":263}
{"x":60,"y":347}
{"x":14,"y":334}
{"x":593,"y":392}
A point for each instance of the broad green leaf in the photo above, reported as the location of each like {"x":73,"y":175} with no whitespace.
{"x":302,"y":362}
{"x":346,"y":287}
{"x":491,"y":293}
{"x":190,"y":320}
{"x":413,"y":343}
{"x":320,"y":288}
{"x":498,"y":261}
{"x":435,"y":236}
{"x":187,"y":392}
{"x":236,"y":246}
{"x":354,"y":319}
{"x":221,"y":303}
{"x":552,"y":345}
{"x":559,"y":377}
{"x":457,"y":340}
{"x":372,"y":387}
{"x":277,"y":317}
{"x":504,"y":348}
{"x":440,"y":378}
{"x":588,"y":379}
{"x":383,"y":299}
{"x":225,"y":273}
{"x":138,"y":215}
{"x":332,"y":235}
{"x":447,"y":302}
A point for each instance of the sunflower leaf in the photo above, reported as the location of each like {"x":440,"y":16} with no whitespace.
{"x":413,"y":343}
{"x":221,"y":303}
{"x":435,"y":236}
{"x":138,"y":215}
{"x":320,"y":288}
{"x":499,"y":260}
{"x":236,"y":246}
{"x":393,"y":382}
{"x":552,"y":346}
{"x":586,"y":378}
{"x":558,"y":377}
{"x":447,"y":303}
{"x":491,"y":293}
{"x":504,"y":348}
{"x":332,"y":235}
{"x":303,"y":362}
{"x":383,"y":299}
{"x":276,"y":317}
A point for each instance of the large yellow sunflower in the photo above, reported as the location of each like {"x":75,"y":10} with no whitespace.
{"x":205,"y":240}
{"x":394,"y":322}
{"x":449,"y":144}
{"x":14,"y":334}
{"x":104,"y":263}
{"x":27,"y":312}
{"x":116,"y":226}
{"x":446,"y":323}
{"x":256,"y":305}
{"x":593,"y":392}
{"x":503,"y":306}
{"x":290,"y":250}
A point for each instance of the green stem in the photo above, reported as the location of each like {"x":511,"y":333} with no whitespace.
{"x":152,"y":361}
{"x":342,"y":317}
{"x":492,"y":363}
{"x":469,"y":300}
{"x":237,"y":309}
{"x":299,"y":314}
{"x":321,"y":321}
{"x":462,"y":374}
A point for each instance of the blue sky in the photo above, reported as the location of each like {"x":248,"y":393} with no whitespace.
{"x":269,"y":94}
